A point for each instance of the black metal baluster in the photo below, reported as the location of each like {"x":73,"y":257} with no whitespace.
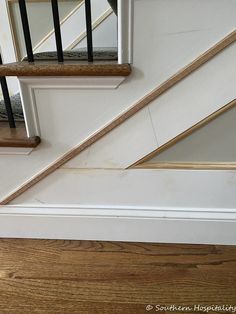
{"x":26,"y":30}
{"x":7,"y":100}
{"x":89,"y":30}
{"x":57,"y":28}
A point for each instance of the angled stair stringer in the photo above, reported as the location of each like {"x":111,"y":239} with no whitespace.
{"x":222,"y":95}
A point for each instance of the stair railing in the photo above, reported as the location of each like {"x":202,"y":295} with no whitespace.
{"x":57,"y":29}
{"x":7,"y":100}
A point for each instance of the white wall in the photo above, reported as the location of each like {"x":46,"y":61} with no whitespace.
{"x":75,"y":26}
{"x":40,"y":20}
{"x":173,"y":34}
{"x":215,"y":142}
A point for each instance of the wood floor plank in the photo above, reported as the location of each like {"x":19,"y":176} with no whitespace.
{"x":45,"y":276}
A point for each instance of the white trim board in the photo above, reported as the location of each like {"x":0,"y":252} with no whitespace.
{"x":15,"y":150}
{"x":125,"y":31}
{"x":175,"y":206}
{"x":116,"y":225}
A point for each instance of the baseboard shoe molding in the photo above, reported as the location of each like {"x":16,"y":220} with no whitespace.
{"x":146,"y":100}
{"x":142,"y":163}
{"x":195,"y":226}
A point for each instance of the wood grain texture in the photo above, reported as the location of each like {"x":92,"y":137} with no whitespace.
{"x":189,"y":165}
{"x":43,"y":276}
{"x":64,"y":69}
{"x":16,"y":137}
{"x":185,"y":134}
{"x":146,"y":100}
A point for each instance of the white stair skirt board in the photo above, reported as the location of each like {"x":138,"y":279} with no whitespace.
{"x":130,"y":205}
{"x":187,"y":103}
{"x":68,"y":117}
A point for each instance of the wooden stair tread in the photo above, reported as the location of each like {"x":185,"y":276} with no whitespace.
{"x":64,"y":69}
{"x":16,"y":137}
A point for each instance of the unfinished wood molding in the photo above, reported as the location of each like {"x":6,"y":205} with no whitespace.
{"x":194,"y":65}
{"x":183,"y":135}
{"x":187,"y":166}
{"x":64,"y":69}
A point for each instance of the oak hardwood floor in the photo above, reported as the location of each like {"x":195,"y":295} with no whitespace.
{"x":47,"y":276}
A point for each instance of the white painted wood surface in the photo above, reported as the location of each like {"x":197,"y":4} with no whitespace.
{"x":193,"y":99}
{"x":125,"y":30}
{"x":135,"y":189}
{"x":215,"y":142}
{"x":66,"y":223}
{"x":175,"y":34}
{"x":176,"y":206}
{"x":187,"y":103}
{"x":15,"y":151}
{"x":128,"y":142}
{"x":28,"y":85}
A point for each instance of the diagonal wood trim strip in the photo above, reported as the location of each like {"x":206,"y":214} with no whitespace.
{"x":209,"y":54}
{"x":183,"y":135}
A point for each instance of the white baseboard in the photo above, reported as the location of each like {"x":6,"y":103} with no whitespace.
{"x":205,"y":226}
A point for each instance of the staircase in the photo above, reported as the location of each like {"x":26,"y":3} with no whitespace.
{"x":98,"y":121}
{"x":101,"y":12}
